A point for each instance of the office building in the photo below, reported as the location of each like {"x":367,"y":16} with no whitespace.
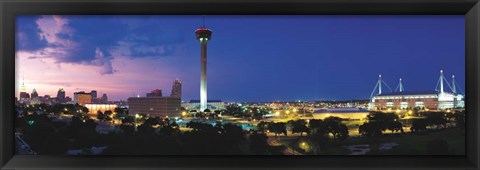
{"x":155,"y":106}
{"x":176,"y":89}
{"x":81,"y":98}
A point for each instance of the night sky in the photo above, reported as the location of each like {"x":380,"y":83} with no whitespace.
{"x":250,"y":58}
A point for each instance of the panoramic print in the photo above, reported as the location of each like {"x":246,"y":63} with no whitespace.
{"x":240,"y":85}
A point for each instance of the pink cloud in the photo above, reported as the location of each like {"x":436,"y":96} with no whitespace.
{"x":51,"y":27}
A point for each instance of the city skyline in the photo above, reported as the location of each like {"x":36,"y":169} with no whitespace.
{"x":248,"y":62}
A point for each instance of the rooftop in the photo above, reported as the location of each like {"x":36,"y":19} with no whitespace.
{"x":208,"y":101}
{"x":420,"y":92}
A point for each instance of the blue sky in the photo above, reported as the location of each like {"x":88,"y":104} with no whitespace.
{"x":250,"y":58}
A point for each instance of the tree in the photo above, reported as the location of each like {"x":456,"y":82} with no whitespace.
{"x":127,"y":129}
{"x":378,"y":122}
{"x":460,"y":120}
{"x":35,"y":135}
{"x":336,"y":128}
{"x":100,"y":115}
{"x":197,"y":126}
{"x":258,"y":143}
{"x":278,"y":128}
{"x":152,"y":122}
{"x":108,"y":115}
{"x":169,"y":130}
{"x":85,"y":110}
{"x":219,"y":127}
{"x":317,"y":125}
{"x":234,"y":134}
{"x":145,"y":129}
{"x":54,"y":144}
{"x":370,"y":129}
{"x":234,"y":110}
{"x":300,"y":126}
{"x":128,"y":120}
{"x":436,"y":119}
{"x":121,"y":112}
{"x":395,"y":126}
{"x":419,"y":125}
{"x":262,"y":126}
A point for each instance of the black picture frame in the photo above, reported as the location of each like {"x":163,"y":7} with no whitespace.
{"x":10,"y":8}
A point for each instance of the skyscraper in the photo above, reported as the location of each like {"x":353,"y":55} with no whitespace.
{"x":203,"y":35}
{"x":61,"y":95}
{"x":34,"y":94}
{"x":23,"y":92}
{"x":104,"y":98}
{"x":94,"y":94}
{"x":176,"y":89}
{"x":82,"y":98}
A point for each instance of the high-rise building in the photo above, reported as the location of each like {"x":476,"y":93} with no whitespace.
{"x":155,"y":106}
{"x":34,"y":94}
{"x":94,"y":94}
{"x":61,"y":95}
{"x":81,"y":98}
{"x":24,"y":96}
{"x":104,"y":98}
{"x":176,"y":89}
{"x":203,"y":35}
{"x":23,"y":93}
{"x":155,"y":93}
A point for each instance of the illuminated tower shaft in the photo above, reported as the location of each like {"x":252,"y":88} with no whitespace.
{"x":203,"y":76}
{"x":203,"y":35}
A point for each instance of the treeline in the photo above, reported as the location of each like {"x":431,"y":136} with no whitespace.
{"x":53,"y":109}
{"x":319,"y":133}
{"x":379,"y":122}
{"x":154,"y":137}
{"x":163,"y":137}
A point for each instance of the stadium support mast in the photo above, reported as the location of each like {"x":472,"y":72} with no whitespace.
{"x":400,"y":86}
{"x":441,"y":81}
{"x":454,"y":88}
{"x":379,"y":84}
